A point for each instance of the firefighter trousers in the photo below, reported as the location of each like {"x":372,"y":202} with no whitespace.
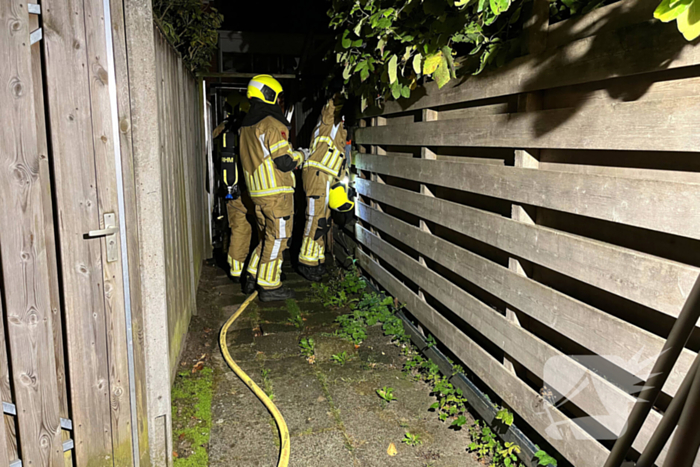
{"x":241,"y":232}
{"x":275,"y":216}
{"x":318,"y":216}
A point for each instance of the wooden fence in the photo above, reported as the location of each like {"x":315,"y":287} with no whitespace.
{"x":185,"y":204}
{"x":542,"y":221}
{"x":103,"y":229}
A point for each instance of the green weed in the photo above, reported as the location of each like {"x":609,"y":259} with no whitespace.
{"x":412,"y":440}
{"x":267,"y":384}
{"x":387,"y":394}
{"x":341,"y":358}
{"x":308,"y":347}
{"x":294,"y":313}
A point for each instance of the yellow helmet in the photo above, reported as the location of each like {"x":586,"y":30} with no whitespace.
{"x":339,"y":200}
{"x":264,"y":87}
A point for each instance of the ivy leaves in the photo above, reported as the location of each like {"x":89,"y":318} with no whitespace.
{"x":191,"y":28}
{"x":685,"y":12}
{"x":386,"y":47}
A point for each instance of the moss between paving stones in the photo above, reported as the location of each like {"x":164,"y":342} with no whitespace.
{"x":191,"y":398}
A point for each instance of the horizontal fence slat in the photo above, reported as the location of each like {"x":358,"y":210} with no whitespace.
{"x":663,"y":206}
{"x":575,"y":444}
{"x":662,"y":125}
{"x":608,"y":405}
{"x":611,"y":338}
{"x":642,"y":48}
{"x":651,"y":281}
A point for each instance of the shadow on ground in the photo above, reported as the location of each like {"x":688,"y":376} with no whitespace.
{"x":334,"y":415}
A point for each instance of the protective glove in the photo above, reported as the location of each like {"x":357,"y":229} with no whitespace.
{"x":306,"y":153}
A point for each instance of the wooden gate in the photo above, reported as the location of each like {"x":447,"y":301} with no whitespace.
{"x":64,"y":357}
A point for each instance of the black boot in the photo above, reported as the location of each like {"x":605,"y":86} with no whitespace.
{"x":249,"y":284}
{"x":310,"y":273}
{"x":275,"y":295}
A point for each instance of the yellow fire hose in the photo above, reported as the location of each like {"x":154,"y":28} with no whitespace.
{"x":281,"y":424}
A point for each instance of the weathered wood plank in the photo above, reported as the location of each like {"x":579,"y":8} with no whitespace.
{"x":612,"y":338}
{"x":642,"y":48}
{"x":607,"y":404}
{"x":574,"y":444}
{"x":23,"y":254}
{"x":656,"y":205}
{"x":649,"y":280}
{"x":107,"y":200}
{"x":188,"y":154}
{"x":69,"y":83}
{"x":665,"y":125}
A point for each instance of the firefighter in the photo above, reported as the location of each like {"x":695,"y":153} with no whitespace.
{"x":322,"y":171}
{"x":268,"y":160}
{"x":241,"y":229}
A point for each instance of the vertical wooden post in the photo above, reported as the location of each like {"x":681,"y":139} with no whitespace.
{"x":25,"y":275}
{"x":428,"y":115}
{"x":376,"y":121}
{"x":529,"y":159}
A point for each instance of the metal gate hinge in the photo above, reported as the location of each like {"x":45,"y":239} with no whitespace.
{"x":34,"y":8}
{"x":110,"y":233}
{"x":36,"y":36}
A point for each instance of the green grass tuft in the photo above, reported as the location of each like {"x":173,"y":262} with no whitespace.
{"x":191,"y":397}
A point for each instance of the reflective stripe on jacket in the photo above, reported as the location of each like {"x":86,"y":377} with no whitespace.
{"x":261,"y":144}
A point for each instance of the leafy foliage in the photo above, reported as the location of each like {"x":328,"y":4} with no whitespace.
{"x":685,"y":12}
{"x":192,"y":28}
{"x":544,"y":459}
{"x":385,"y":46}
{"x":505,"y":416}
{"x":339,"y":292}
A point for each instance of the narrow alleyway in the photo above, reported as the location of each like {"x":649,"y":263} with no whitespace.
{"x":333,"y":412}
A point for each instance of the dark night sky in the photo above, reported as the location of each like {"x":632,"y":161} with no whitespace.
{"x":300,"y":16}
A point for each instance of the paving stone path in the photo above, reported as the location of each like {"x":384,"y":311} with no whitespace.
{"x":334,"y":415}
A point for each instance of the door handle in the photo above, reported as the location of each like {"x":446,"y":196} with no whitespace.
{"x":102,"y":233}
{"x":110,"y":233}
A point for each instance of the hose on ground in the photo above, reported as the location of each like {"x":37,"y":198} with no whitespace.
{"x":281,"y":424}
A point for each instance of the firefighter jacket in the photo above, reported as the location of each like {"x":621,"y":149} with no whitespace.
{"x":268,"y":158}
{"x":328,"y":148}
